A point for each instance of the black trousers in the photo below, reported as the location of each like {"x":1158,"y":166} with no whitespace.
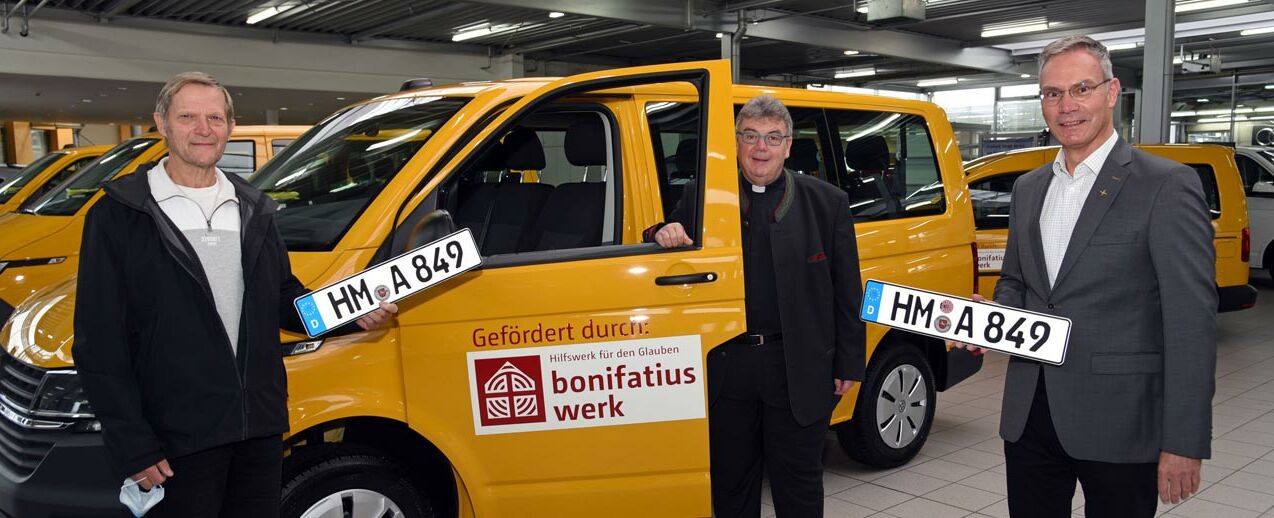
{"x":751,"y":427}
{"x":240,"y":480}
{"x":1041,"y":476}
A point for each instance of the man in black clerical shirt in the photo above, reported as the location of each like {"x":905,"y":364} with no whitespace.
{"x":771,"y":390}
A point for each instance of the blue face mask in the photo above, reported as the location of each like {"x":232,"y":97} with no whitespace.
{"x":138,"y":501}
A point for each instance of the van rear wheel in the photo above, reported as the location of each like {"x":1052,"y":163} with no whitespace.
{"x":350,"y":482}
{"x":894,"y":411}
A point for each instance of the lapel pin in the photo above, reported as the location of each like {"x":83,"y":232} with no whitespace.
{"x":1115,"y":178}
{"x":1103,"y":192}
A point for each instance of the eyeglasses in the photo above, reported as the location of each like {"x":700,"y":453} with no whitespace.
{"x":1078,"y":92}
{"x":771,"y":139}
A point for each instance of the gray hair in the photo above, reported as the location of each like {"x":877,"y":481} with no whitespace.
{"x":179,"y":81}
{"x":764,"y":107}
{"x":1079,"y":42}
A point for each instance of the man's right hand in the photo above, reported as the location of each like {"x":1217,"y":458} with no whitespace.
{"x":153,"y":476}
{"x":973,"y":349}
{"x":673,"y":235}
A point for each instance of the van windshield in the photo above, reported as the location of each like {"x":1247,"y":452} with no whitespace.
{"x":67,"y":198}
{"x":325,"y":179}
{"x":10,"y":187}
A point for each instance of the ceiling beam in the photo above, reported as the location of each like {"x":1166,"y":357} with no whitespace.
{"x":117,"y":8}
{"x":574,"y":38}
{"x":809,"y":30}
{"x":405,"y":22}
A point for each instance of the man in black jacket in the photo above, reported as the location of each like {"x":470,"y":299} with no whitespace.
{"x":771,"y":390}
{"x":184,"y":282}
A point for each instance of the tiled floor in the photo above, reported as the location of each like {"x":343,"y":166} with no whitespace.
{"x":960,"y":471}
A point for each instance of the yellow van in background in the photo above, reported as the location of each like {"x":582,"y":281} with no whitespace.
{"x":41,"y":240}
{"x":991,"y":180}
{"x":490,"y":397}
{"x":44,"y":174}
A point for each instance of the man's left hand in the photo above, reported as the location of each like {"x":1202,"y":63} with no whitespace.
{"x":1178,"y":477}
{"x":842,"y":386}
{"x":378,"y":318}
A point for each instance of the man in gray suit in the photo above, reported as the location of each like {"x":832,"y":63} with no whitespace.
{"x":1120,"y":242}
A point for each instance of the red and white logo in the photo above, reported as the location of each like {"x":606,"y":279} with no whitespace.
{"x":509,"y":390}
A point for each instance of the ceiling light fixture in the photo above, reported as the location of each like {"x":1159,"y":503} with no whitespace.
{"x":1014,"y":29}
{"x":267,"y":13}
{"x":863,"y":9}
{"x":937,"y":82}
{"x":556,"y":14}
{"x":1186,"y":7}
{"x":861,"y":72}
{"x":1201,"y":100}
{"x":720,"y":35}
{"x":1122,"y":46}
{"x":480,"y":31}
{"x":851,"y":53}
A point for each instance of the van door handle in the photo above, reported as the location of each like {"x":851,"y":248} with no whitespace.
{"x":693,"y":278}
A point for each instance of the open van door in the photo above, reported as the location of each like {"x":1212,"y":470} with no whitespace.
{"x":566,"y":376}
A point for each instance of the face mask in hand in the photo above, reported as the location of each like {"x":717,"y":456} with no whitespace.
{"x":138,"y":501}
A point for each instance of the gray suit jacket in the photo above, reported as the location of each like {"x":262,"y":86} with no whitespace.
{"x":1137,"y":282}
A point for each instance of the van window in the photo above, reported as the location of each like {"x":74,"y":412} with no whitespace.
{"x":991,"y":199}
{"x":333,"y":172}
{"x":67,"y":198}
{"x":240,"y":158}
{"x":674,"y":131}
{"x":10,"y":187}
{"x":65,"y":173}
{"x":552,"y":181}
{"x":279,"y":144}
{"x":1257,"y":180}
{"x":891,"y":170}
{"x":1210,"y":192}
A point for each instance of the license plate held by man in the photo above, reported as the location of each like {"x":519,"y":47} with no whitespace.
{"x":390,"y":281}
{"x":1027,"y":334}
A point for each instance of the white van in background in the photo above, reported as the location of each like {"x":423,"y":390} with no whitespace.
{"x":1256,"y":164}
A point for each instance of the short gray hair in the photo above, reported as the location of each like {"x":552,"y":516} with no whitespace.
{"x":179,"y":81}
{"x":1079,"y":42}
{"x":764,"y":107}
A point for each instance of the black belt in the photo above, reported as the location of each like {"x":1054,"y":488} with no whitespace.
{"x":756,"y":338}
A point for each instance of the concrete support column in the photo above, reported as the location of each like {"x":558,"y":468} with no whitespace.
{"x":508,"y":66}
{"x":17,"y":142}
{"x":730,"y":50}
{"x":1156,"y":96}
{"x":272,"y":116}
{"x":61,"y":137}
{"x":125,"y":132}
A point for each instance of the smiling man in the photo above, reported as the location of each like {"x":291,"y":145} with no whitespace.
{"x":771,"y":390}
{"x":1120,"y":242}
{"x":183,"y":284}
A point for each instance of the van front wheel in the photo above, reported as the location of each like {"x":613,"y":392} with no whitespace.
{"x":894,"y":410}
{"x":349,"y":482}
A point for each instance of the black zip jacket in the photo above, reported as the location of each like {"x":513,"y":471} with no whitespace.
{"x":154,"y":358}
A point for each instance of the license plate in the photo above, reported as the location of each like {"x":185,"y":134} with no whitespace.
{"x":390,"y":281}
{"x":1027,"y":334}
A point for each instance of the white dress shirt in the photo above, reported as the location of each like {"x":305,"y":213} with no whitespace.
{"x":1065,"y":200}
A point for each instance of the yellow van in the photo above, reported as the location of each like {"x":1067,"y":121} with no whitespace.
{"x":991,"y":180}
{"x":494,"y":395}
{"x":44,"y":174}
{"x":41,"y":240}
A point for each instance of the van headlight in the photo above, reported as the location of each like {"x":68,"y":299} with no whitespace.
{"x":61,"y":395}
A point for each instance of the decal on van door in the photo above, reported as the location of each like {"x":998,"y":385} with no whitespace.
{"x":586,"y":385}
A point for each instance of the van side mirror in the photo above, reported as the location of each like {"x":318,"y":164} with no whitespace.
{"x":435,"y":225}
